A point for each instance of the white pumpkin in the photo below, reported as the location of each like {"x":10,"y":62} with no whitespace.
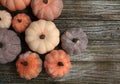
{"x":5,"y":19}
{"x":42,"y":36}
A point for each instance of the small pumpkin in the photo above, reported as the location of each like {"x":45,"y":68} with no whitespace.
{"x":29,"y":65}
{"x":57,"y":63}
{"x":74,"y":41}
{"x":20,"y":22}
{"x":42,"y":36}
{"x":14,"y":5}
{"x":5,"y":19}
{"x":47,"y":9}
{"x":10,"y":46}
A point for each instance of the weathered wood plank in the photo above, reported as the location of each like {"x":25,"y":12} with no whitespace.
{"x":81,"y":72}
{"x":96,"y":30}
{"x":91,"y":10}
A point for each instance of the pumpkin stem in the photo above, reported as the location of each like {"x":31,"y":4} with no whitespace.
{"x":75,"y":40}
{"x":45,"y":1}
{"x":1,"y":45}
{"x":24,"y":63}
{"x":42,"y":36}
{"x":19,"y":20}
{"x":60,"y":64}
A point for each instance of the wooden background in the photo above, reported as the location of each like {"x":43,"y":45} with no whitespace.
{"x":100,"y":63}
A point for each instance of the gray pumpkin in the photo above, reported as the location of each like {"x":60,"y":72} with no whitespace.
{"x":74,"y":41}
{"x":9,"y":46}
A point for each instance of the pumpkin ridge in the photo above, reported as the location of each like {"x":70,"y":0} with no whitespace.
{"x":25,"y":2}
{"x":54,"y":12}
{"x":40,"y":14}
{"x":34,"y":48}
{"x":9,"y":5}
{"x":3,"y":2}
{"x":38,"y":11}
{"x":42,"y":48}
{"x":57,"y":5}
{"x":14,"y":3}
{"x":35,"y":7}
{"x":31,"y":40}
{"x":17,"y":5}
{"x":49,"y":44}
{"x":14,"y":36}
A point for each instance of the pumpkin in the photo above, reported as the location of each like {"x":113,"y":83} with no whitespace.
{"x":29,"y":65}
{"x":57,"y":63}
{"x":5,"y":19}
{"x":47,"y":9}
{"x":42,"y":36}
{"x":20,"y":22}
{"x":10,"y":46}
{"x":74,"y":41}
{"x":14,"y":5}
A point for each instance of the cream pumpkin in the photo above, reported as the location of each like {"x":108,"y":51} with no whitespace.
{"x":5,"y":19}
{"x":14,"y":5}
{"x":42,"y":36}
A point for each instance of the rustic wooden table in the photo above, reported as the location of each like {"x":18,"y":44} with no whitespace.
{"x":100,"y":63}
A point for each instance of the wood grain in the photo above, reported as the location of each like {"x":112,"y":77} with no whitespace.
{"x":91,"y":10}
{"x":99,"y":63}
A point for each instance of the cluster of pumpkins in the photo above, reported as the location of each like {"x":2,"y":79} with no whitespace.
{"x":42,"y":37}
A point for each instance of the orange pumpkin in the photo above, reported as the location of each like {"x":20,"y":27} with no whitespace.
{"x":57,"y":63}
{"x":29,"y":65}
{"x":47,"y":9}
{"x":14,"y":5}
{"x":20,"y":22}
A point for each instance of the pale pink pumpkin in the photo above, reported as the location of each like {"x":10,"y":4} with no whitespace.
{"x":47,"y":9}
{"x":14,"y":5}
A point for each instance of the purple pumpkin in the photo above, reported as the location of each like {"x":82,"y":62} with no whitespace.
{"x":74,"y":41}
{"x":9,"y":46}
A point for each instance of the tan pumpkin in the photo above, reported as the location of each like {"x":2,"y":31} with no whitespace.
{"x":14,"y":5}
{"x":57,"y":63}
{"x":47,"y":9}
{"x":42,"y":36}
{"x":5,"y":19}
{"x":29,"y":65}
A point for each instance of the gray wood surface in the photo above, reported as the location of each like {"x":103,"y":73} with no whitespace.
{"x":100,"y":62}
